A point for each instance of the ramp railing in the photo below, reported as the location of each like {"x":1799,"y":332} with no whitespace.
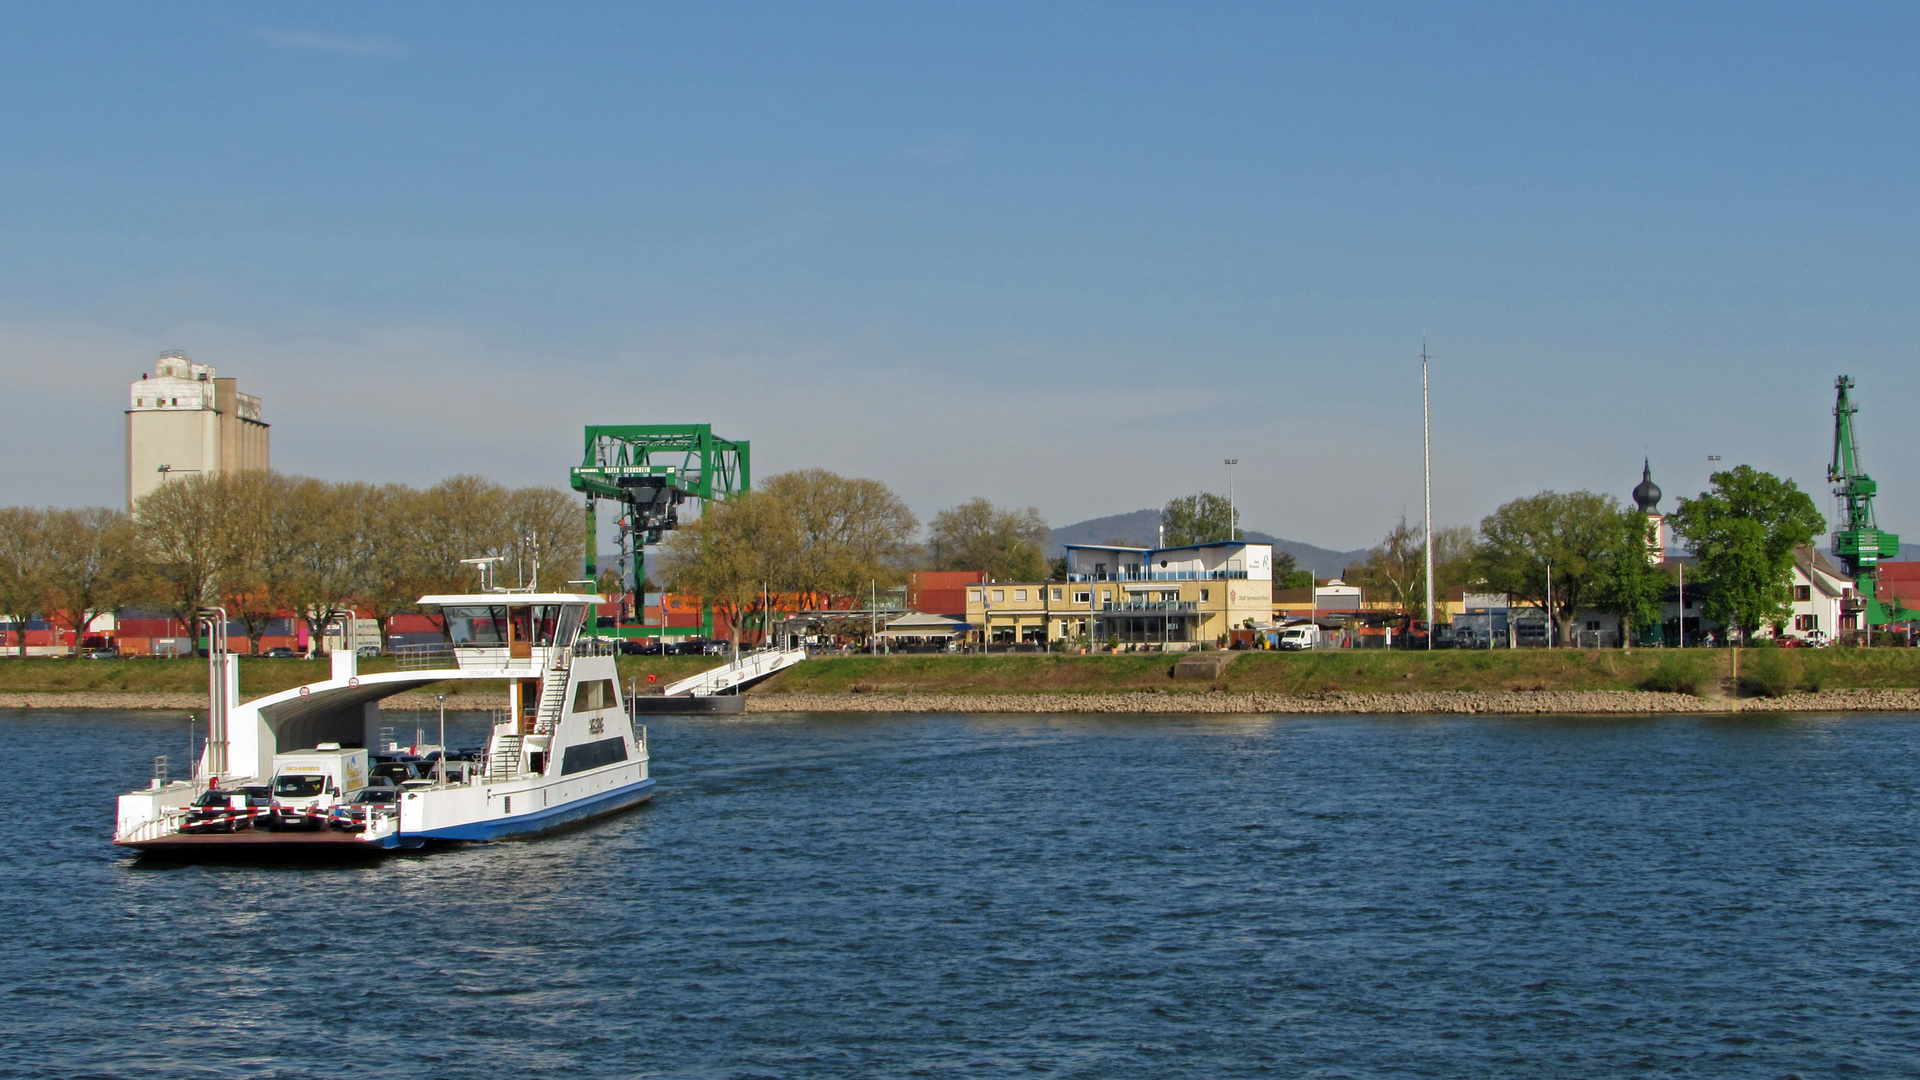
{"x":749,"y":669}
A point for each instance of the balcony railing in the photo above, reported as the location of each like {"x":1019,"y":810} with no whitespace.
{"x":1170,"y":606}
{"x":1165,"y":575}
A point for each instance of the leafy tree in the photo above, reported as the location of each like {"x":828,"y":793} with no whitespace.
{"x":1294,"y":579}
{"x":1284,"y":564}
{"x":729,"y":554}
{"x":23,"y":566}
{"x":92,"y":566}
{"x":1568,"y":532}
{"x":1744,"y":532}
{"x":1199,"y":519}
{"x":1629,"y":586}
{"x":1007,"y":545}
{"x":847,"y":533}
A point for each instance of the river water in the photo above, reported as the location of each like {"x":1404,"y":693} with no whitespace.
{"x":1073,"y":896}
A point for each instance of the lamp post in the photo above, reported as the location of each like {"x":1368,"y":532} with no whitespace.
{"x":441,"y":765}
{"x":1426,"y":428}
{"x":1233,"y":526}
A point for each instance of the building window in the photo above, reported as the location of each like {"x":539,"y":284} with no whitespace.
{"x":1083,"y":598}
{"x":973,"y":596}
{"x":1169,"y":596}
{"x":1019,"y":594}
{"x":1203,"y":595}
{"x":1806,"y":622}
{"x":1593,"y":624}
{"x":1803,"y":593}
{"x":1106,"y":596}
{"x":999,"y":595}
{"x":1056,"y":596}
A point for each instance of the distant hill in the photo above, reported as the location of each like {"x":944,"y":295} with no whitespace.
{"x":1141,"y":529}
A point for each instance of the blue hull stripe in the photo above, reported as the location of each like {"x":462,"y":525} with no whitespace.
{"x":540,"y":821}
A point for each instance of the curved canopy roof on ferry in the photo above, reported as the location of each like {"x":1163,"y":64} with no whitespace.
{"x":509,"y":599}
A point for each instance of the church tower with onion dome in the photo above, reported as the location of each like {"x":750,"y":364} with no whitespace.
{"x":1646,"y":495}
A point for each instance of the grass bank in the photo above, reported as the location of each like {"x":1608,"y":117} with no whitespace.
{"x":1689,"y":671}
{"x":1764,"y":672}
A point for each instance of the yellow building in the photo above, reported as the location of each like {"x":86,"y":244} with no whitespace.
{"x":1152,"y":597}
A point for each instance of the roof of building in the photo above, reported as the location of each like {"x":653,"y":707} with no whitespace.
{"x":1646,"y":494}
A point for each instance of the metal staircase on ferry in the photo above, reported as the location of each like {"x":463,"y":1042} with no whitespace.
{"x":504,"y":762}
{"x":553,"y":697}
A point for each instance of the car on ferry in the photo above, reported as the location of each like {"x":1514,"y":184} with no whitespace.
{"x":352,"y":815}
{"x":228,"y":809}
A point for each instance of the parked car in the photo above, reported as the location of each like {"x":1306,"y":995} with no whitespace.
{"x":227,"y":809}
{"x":280,"y":652}
{"x":366,"y":651}
{"x":352,"y":815}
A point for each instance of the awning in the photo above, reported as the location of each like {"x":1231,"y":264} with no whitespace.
{"x":921,"y":624}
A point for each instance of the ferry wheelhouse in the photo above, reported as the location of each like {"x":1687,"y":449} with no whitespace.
{"x":290,"y":771}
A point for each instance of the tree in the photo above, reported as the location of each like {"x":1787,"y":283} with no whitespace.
{"x":396,"y":568}
{"x":1294,"y":579}
{"x":1199,"y":519}
{"x":1005,"y":544}
{"x":182,"y":536}
{"x":1744,"y":533}
{"x":847,"y":532}
{"x":91,"y":568}
{"x":246,"y":574}
{"x":1568,"y":533}
{"x":1397,"y":566}
{"x":729,"y":555}
{"x":1285,"y":565}
{"x":23,"y":566}
{"x":1629,"y":586}
{"x":542,"y":530}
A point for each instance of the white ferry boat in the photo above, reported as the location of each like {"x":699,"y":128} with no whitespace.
{"x":299,"y":772}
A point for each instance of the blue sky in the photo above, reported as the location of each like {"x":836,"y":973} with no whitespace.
{"x":1065,"y":255}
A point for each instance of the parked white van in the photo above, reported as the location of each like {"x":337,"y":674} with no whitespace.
{"x":307,"y":784}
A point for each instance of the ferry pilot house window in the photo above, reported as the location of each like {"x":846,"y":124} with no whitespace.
{"x":476,"y":625}
{"x":594,"y":695}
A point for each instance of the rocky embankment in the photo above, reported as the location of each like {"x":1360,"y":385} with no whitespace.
{"x":1515,"y":703}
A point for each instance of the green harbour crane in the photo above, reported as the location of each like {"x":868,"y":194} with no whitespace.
{"x":1860,"y":544}
{"x":651,"y":470}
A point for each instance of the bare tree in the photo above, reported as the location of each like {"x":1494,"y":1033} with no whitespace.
{"x":181,"y":534}
{"x":23,"y":566}
{"x":92,"y":566}
{"x":1005,"y":544}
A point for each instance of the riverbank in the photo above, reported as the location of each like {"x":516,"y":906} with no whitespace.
{"x":1512,"y":682}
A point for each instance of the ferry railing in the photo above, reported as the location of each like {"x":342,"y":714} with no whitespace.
{"x":438,"y":654}
{"x":596,"y":646}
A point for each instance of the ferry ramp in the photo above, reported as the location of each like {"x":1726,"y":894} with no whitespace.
{"x":737,"y":675}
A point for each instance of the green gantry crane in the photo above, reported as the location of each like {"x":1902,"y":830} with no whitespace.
{"x":651,"y":470}
{"x":1860,"y":545}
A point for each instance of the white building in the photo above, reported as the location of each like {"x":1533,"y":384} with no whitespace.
{"x":182,"y":420}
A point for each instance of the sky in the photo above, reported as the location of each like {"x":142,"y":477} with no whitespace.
{"x":1069,"y":255}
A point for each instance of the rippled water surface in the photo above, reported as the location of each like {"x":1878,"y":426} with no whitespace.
{"x":1050,"y":896}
